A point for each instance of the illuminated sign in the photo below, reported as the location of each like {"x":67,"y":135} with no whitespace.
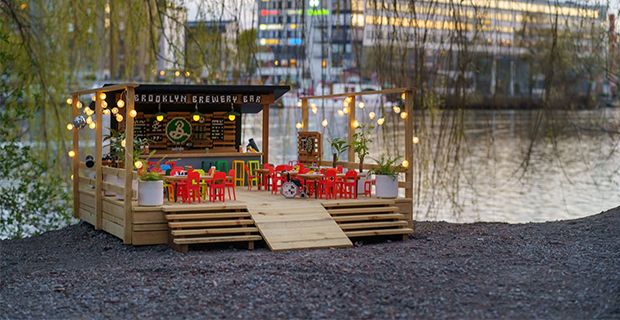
{"x":294,"y":41}
{"x":321,"y":12}
{"x":271,"y":27}
{"x":269,"y":41}
{"x":314,"y":3}
{"x":293,"y":12}
{"x":269,"y":12}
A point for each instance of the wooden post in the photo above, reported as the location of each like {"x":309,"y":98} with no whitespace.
{"x":304,"y":115}
{"x":128,"y":165}
{"x":98,"y":168}
{"x":409,"y":143}
{"x":76,"y":161}
{"x":351,"y":153}
{"x":265,"y":133}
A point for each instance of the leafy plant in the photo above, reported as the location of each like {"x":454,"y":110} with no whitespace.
{"x":117,"y":149}
{"x":338,"y":146}
{"x":385,"y":166}
{"x":361,"y":142}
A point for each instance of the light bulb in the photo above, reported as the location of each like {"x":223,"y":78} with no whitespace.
{"x":324,"y":123}
{"x":178,"y":73}
{"x":104,"y":104}
{"x":314,"y":110}
{"x":397,"y":109}
{"x":299,"y":104}
{"x":371,"y":115}
{"x":119,"y":118}
{"x":402,"y":96}
{"x":78,"y":104}
{"x":345,"y":104}
{"x":298,"y":125}
{"x":106,"y":111}
{"x":123,"y":143}
{"x":86,"y":109}
{"x":102,"y":96}
{"x":89,"y":120}
{"x":340,"y":113}
{"x":94,"y":97}
{"x":69,"y":127}
{"x":187,"y":74}
{"x":313,"y":105}
{"x":160,"y":118}
{"x":90,"y":112}
{"x":405,"y":163}
{"x":120,"y":103}
{"x":345,"y":110}
{"x":196,"y":117}
{"x":92,"y":125}
{"x":380,"y":121}
{"x":403,"y":115}
{"x":416,"y":140}
{"x":71,"y":153}
{"x":69,"y":101}
{"x":347,"y":100}
{"x":361,"y":105}
{"x":115,"y":110}
{"x":71,"y":177}
{"x":355,"y":124}
{"x":138,"y":164}
{"x":133,"y":113}
{"x":231,"y":117}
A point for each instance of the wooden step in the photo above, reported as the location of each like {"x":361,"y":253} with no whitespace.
{"x":214,"y":223}
{"x":196,"y":232}
{"x":202,"y":207}
{"x":389,"y":216}
{"x":362,"y":210}
{"x":215,"y":215}
{"x":217,"y":239}
{"x":379,"y":232}
{"x":359,"y":203}
{"x":371,"y":225}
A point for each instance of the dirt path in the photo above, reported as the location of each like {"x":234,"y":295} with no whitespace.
{"x":553,"y":270}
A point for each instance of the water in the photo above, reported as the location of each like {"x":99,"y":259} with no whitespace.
{"x":572,"y":173}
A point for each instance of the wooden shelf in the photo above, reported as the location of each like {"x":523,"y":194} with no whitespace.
{"x":202,"y":154}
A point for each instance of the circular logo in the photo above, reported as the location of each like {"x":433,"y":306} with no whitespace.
{"x":178,"y":130}
{"x":310,"y":145}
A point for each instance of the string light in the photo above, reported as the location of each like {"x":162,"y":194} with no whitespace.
{"x":403,"y":115}
{"x":371,"y":115}
{"x":345,"y":103}
{"x":187,"y":74}
{"x":396,"y":109}
{"x":298,"y":125}
{"x":361,"y":105}
{"x":94,"y":97}
{"x":115,"y":110}
{"x":123,"y":143}
{"x":340,"y":113}
{"x":324,"y":123}
{"x":178,"y":73}
{"x":347,"y":100}
{"x":89,"y":120}
{"x":161,"y":73}
{"x":104,"y":104}
{"x":71,"y":153}
{"x":138,"y":163}
{"x":299,"y":104}
{"x":405,"y":163}
{"x":119,"y":118}
{"x":345,"y":110}
{"x":314,"y":110}
{"x":106,"y":111}
{"x":313,"y":105}
{"x":71,"y":177}
{"x":380,"y":121}
{"x":416,"y":140}
{"x":102,"y":96}
{"x":79,"y":105}
{"x":355,"y":124}
{"x":69,"y":101}
{"x":133,"y":113}
{"x":92,"y":125}
{"x":120,"y":103}
{"x":402,"y":96}
{"x":69,"y":127}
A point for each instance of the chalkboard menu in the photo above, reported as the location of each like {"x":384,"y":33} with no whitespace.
{"x":139,"y":128}
{"x":217,"y":129}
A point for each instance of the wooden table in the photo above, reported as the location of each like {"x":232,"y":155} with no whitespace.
{"x":175,"y":179}
{"x":317,"y":177}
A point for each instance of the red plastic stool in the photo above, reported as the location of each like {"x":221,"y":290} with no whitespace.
{"x":368,"y":188}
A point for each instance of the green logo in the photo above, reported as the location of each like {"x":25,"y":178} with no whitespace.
{"x":178,"y":130}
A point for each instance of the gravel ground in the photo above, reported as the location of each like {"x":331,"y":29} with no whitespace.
{"x":554,"y":270}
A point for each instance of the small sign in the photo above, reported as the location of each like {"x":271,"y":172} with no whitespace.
{"x":178,"y":130}
{"x":217,"y":129}
{"x":157,"y":137}
{"x":156,"y":126}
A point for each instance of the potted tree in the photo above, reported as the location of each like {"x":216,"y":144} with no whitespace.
{"x":117,"y":151}
{"x":150,"y":187}
{"x":339,"y":146}
{"x":360,"y":147}
{"x":386,"y":176}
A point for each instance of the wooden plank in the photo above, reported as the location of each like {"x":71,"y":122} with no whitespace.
{"x":265,"y":133}
{"x":361,"y":210}
{"x":214,"y":215}
{"x":301,"y":217}
{"x":351,"y":118}
{"x":149,"y":237}
{"x":87,"y":181}
{"x":197,"y":232}
{"x":371,"y":225}
{"x":149,"y":217}
{"x":304,"y":115}
{"x":112,"y":200}
{"x":87,"y":198}
{"x":215,"y":223}
{"x":380,"y":232}
{"x":201,"y":207}
{"x":362,"y":93}
{"x":356,"y":203}
{"x":217,"y":239}
{"x":115,"y":87}
{"x":112,"y":218}
{"x":84,"y":167}
{"x":87,"y":216}
{"x":409,"y":143}
{"x":317,"y":233}
{"x":151,"y":227}
{"x":295,"y":224}
{"x":87,"y":207}
{"x":113,"y":228}
{"x":113,"y":187}
{"x":307,"y":244}
{"x":369,"y":217}
{"x":114,"y":210}
{"x":76,"y":157}
{"x":98,"y":155}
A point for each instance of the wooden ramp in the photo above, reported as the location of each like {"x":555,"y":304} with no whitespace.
{"x":294,"y":225}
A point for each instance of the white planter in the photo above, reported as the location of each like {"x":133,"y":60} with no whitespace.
{"x":385,"y":187}
{"x":360,"y":184}
{"x":121,"y":182}
{"x":151,"y":193}
{"x":109,"y":179}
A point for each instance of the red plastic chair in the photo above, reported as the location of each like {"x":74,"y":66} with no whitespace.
{"x":221,"y":176}
{"x":191,"y":190}
{"x":276,"y":178}
{"x":293,"y":162}
{"x":251,"y":178}
{"x":172,"y":164}
{"x":327,"y":185}
{"x":230,"y":182}
{"x":153,"y":164}
{"x":339,"y":168}
{"x":368,"y":188}
{"x":347,"y":187}
{"x":176,"y":185}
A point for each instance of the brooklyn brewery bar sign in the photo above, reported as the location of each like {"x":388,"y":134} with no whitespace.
{"x":198,"y":98}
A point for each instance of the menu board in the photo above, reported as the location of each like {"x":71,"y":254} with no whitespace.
{"x":139,"y":128}
{"x":217,"y":129}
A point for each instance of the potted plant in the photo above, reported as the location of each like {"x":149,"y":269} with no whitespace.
{"x":117,"y":151}
{"x":386,"y":176}
{"x":339,"y":146}
{"x":151,"y":187}
{"x":360,"y":147}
